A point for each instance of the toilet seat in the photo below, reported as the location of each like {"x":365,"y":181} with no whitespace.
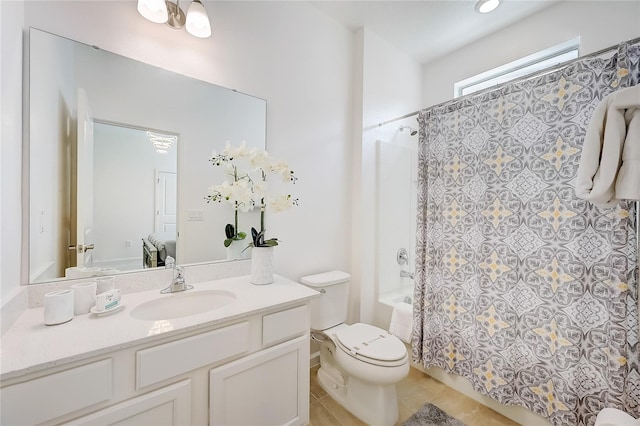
{"x":371,"y":344}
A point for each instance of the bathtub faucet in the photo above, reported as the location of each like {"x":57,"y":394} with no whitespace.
{"x":406,"y":274}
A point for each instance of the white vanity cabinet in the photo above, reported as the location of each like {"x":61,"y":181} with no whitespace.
{"x":269,"y":387}
{"x":247,"y":371}
{"x":168,"y":406}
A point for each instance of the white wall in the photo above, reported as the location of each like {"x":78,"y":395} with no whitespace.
{"x":11,"y":231}
{"x":288,"y":53}
{"x":599,"y":24}
{"x":391,"y":87}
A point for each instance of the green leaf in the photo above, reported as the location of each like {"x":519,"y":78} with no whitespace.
{"x":270,"y":243}
{"x":228,"y":242}
{"x":229,"y":230}
{"x":242,"y":235}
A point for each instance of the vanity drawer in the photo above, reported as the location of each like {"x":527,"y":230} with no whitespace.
{"x":48,"y":397}
{"x":284,"y":325}
{"x":172,"y":359}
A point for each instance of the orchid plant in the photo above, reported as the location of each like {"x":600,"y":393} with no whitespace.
{"x":235,"y":191}
{"x":246,"y":187}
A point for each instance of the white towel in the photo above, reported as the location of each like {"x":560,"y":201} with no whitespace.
{"x":610,"y":159}
{"x":402,"y":321}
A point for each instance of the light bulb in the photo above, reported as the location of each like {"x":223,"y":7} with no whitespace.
{"x":486,"y":6}
{"x":153,"y":10}
{"x":197,"y":20}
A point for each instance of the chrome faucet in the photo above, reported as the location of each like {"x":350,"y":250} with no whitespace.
{"x":406,"y":274}
{"x":177,"y":283}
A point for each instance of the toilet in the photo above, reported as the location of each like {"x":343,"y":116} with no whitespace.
{"x":359,"y":364}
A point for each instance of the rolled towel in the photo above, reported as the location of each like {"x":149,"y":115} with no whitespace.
{"x":611,"y":151}
{"x":80,"y":272}
{"x":402,"y":321}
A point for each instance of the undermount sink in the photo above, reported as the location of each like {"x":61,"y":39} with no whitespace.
{"x":183,"y":304}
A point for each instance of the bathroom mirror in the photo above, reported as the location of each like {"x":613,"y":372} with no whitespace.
{"x":119,"y":161}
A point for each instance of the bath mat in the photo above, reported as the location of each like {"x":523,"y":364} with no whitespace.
{"x":430,"y":415}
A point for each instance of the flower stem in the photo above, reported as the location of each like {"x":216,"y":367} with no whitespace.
{"x":235,"y":237}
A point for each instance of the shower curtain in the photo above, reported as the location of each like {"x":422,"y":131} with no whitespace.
{"x":522,"y":288}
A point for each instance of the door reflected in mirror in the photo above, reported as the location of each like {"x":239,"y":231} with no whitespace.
{"x":95,"y":200}
{"x":135,"y":199}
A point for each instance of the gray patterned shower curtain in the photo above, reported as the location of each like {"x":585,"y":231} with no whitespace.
{"x":522,"y":288}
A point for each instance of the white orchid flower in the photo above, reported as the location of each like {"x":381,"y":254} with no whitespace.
{"x":241,"y":192}
{"x":258,"y":158}
{"x":240,"y":151}
{"x":230,"y":170}
{"x":214,"y":194}
{"x":246,"y":186}
{"x":279,"y":167}
{"x":225,"y":189}
{"x":260,"y":188}
{"x":280,"y":203}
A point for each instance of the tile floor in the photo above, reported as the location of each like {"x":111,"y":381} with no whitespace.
{"x":413,"y":393}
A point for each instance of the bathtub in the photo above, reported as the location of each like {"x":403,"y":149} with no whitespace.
{"x":405,"y":295}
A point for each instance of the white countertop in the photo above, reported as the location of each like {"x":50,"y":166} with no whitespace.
{"x":30,"y":346}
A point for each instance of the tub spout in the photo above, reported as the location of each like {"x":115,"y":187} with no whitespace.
{"x":406,"y":274}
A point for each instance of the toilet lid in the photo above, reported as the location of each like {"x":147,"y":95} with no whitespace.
{"x":367,"y":341}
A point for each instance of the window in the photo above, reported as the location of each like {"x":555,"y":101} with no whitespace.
{"x":529,"y":64}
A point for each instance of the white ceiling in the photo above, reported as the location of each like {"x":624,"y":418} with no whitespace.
{"x":427,"y":29}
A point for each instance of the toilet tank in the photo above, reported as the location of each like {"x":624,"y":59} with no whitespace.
{"x":331,"y":307}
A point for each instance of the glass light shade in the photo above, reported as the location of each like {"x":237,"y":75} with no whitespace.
{"x":486,"y":6}
{"x":197,"y":20}
{"x":153,"y":10}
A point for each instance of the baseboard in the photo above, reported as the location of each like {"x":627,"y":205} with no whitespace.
{"x":315,"y":359}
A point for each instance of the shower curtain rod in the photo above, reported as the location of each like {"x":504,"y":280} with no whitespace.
{"x":523,"y":78}
{"x":399,"y":118}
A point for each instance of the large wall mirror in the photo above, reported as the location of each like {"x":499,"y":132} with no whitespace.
{"x":119,"y":161}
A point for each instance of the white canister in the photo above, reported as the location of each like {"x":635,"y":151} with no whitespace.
{"x":262,"y":265}
{"x":105,"y":284}
{"x":85,"y":296}
{"x":58,"y":307}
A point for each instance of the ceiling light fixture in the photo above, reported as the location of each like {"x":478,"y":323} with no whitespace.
{"x":486,"y":6}
{"x":153,"y":10}
{"x":170,"y":13}
{"x":162,"y":143}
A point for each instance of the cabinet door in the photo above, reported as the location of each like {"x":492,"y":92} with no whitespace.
{"x":170,"y":406}
{"x":270,"y":387}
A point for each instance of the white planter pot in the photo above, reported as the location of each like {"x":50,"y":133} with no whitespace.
{"x":236,"y":250}
{"x":261,"y":265}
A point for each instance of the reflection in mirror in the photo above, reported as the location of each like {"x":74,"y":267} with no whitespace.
{"x":98,"y":205}
{"x":124,"y":155}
